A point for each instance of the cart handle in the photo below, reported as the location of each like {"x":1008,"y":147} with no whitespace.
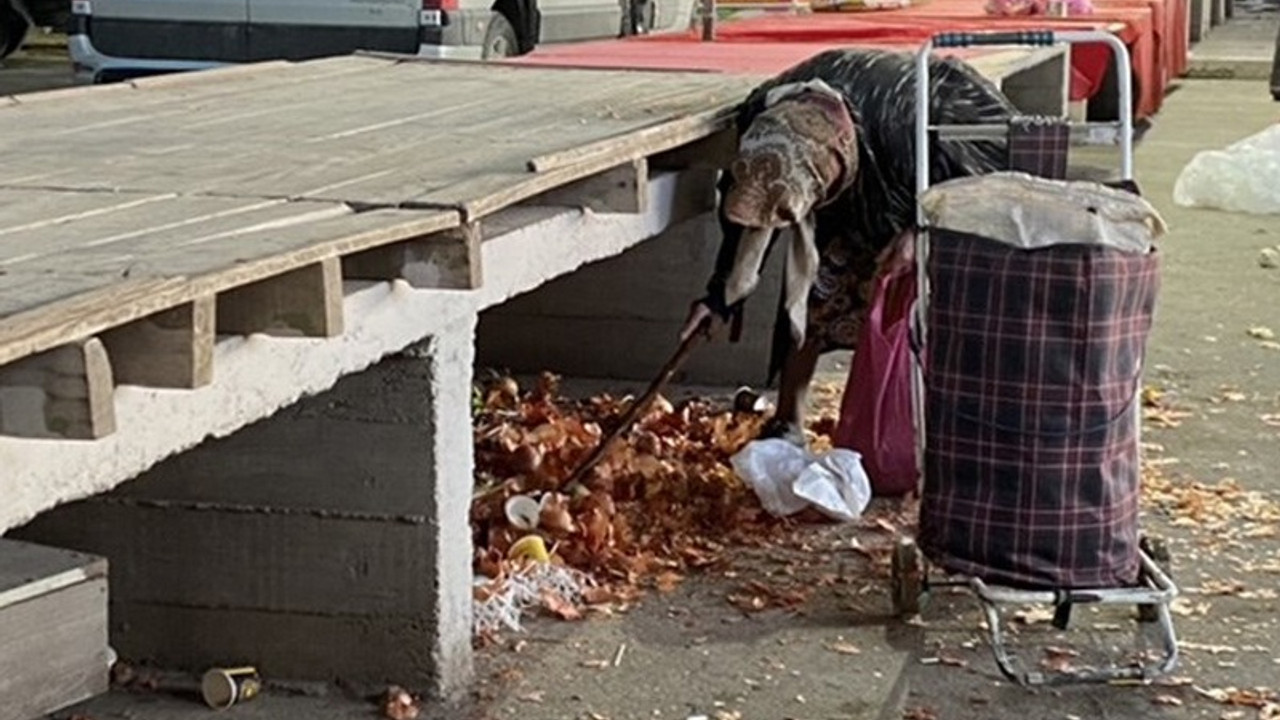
{"x":1022,"y":37}
{"x":1018,"y":37}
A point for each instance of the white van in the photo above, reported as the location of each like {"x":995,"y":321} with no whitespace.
{"x":116,"y":39}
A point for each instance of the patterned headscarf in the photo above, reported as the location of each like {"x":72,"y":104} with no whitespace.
{"x":797,"y":156}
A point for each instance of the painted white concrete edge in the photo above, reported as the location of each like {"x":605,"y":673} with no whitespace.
{"x":257,"y":375}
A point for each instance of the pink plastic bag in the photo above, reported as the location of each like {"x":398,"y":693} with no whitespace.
{"x":875,"y":414}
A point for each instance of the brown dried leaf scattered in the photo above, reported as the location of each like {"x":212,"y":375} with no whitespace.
{"x":554,"y":603}
{"x":1033,"y":615}
{"x":664,"y":501}
{"x":1255,"y":698}
{"x":398,"y":704}
{"x":919,"y":713}
{"x":1059,"y":659}
{"x":668,"y":581}
{"x":844,"y":648}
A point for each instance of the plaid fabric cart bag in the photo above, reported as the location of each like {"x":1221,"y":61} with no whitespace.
{"x":1035,"y":300}
{"x":1036,"y":338}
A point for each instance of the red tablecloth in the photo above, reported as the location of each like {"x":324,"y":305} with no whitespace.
{"x":1134,"y":26}
{"x":682,"y":53}
{"x":1153,"y":30}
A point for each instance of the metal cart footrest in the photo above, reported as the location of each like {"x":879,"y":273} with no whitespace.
{"x":1157,"y":591}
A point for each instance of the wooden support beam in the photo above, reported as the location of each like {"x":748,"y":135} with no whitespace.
{"x":65,"y":393}
{"x":447,"y":260}
{"x":714,"y":152}
{"x":622,"y":189}
{"x":170,"y":349}
{"x":306,"y":302}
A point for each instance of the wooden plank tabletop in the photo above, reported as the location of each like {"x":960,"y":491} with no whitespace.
{"x":379,"y":132}
{"x":123,"y":200}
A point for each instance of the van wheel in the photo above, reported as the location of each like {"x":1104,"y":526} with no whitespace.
{"x":644,"y":15}
{"x":13,"y":29}
{"x":500,"y":40}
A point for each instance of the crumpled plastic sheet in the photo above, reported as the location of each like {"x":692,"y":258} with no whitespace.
{"x":788,"y":479}
{"x":1243,"y":177}
{"x":1030,"y":212}
{"x":522,"y":590}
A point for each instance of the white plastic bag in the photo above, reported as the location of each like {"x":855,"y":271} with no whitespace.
{"x":787,"y":479}
{"x":836,"y":485}
{"x":770,"y":467}
{"x":1245,"y":177}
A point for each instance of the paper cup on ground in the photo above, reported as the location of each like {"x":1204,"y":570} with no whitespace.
{"x":224,"y":687}
{"x":522,"y":512}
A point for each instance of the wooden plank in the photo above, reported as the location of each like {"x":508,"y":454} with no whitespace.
{"x":42,"y":305}
{"x":446,"y":260}
{"x":646,"y":141}
{"x":714,"y":152}
{"x":66,"y":393}
{"x":226,"y":241}
{"x":354,"y":150}
{"x":306,"y":302}
{"x":77,"y":307}
{"x":43,"y":214}
{"x":170,"y":349}
{"x":622,"y":189}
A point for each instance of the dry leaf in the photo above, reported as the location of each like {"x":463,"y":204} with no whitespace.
{"x":1184,"y":607}
{"x":595,"y":664}
{"x":1033,"y":615}
{"x":1168,"y":700}
{"x":1262,"y":333}
{"x":398,"y":704}
{"x":668,"y":581}
{"x":1211,"y":649}
{"x":535,"y":696}
{"x":558,"y":606}
{"x":919,"y":713}
{"x":1058,"y":659}
{"x":844,"y":648}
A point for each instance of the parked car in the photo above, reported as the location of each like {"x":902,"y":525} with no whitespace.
{"x":115,"y":39}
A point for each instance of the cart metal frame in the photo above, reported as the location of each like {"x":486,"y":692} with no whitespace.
{"x":1156,"y":589}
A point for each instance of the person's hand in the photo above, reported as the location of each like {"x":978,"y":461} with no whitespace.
{"x":702,"y":319}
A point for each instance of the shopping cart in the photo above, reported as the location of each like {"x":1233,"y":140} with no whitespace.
{"x":1026,"y":392}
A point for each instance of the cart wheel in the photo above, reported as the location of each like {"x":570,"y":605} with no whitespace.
{"x":908,"y":577}
{"x":1158,"y":551}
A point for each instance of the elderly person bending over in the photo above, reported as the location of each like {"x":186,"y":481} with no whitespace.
{"x":827,"y":150}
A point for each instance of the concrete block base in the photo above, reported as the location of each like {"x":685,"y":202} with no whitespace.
{"x":329,"y":542}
